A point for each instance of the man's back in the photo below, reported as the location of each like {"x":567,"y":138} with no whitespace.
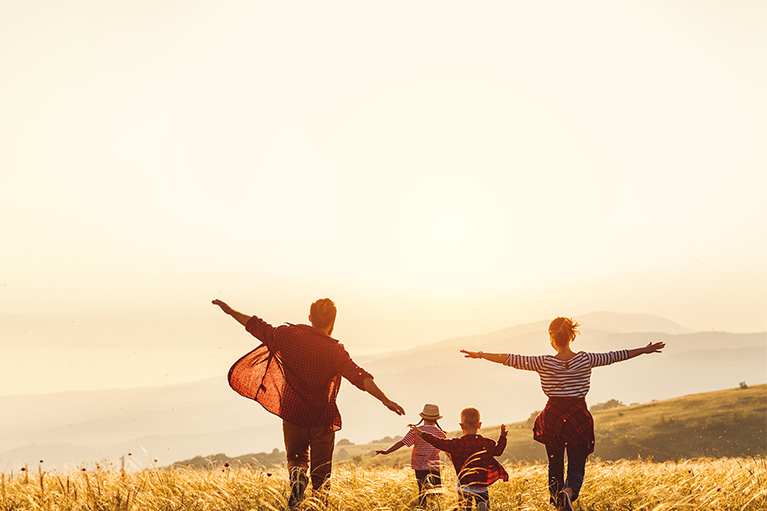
{"x":302,"y":372}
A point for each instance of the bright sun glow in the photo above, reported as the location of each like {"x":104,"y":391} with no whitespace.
{"x":451,"y":229}
{"x":450,"y":225}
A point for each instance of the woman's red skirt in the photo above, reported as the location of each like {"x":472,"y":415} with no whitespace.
{"x":565,"y":421}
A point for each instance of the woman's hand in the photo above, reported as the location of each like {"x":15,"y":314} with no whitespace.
{"x":654,"y":347}
{"x":472,"y":354}
{"x":498,"y":358}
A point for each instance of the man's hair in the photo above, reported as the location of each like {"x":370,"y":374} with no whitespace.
{"x":470,"y":416}
{"x":323,"y":312}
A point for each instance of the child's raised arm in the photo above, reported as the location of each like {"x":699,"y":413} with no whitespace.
{"x":500,"y":446}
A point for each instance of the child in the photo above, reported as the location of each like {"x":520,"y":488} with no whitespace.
{"x":425,"y":458}
{"x":473,"y":457}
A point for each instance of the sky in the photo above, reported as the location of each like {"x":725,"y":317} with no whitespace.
{"x":438,"y":169}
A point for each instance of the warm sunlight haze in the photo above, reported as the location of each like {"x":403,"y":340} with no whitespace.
{"x":438,"y":170}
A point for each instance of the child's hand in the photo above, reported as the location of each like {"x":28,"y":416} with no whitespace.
{"x":381,"y":451}
{"x":503,"y":430}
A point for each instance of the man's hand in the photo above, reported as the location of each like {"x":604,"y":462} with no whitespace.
{"x":371,"y":388}
{"x":416,"y":431}
{"x":223,"y":305}
{"x":239,"y":316}
{"x":394,"y":407}
{"x":503,"y":430}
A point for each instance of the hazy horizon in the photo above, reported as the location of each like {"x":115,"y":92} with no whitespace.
{"x":438,"y":170}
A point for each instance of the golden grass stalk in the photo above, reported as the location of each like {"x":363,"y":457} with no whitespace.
{"x":704,"y":484}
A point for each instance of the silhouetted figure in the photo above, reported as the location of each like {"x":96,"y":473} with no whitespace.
{"x":565,"y":424}
{"x":296,"y":374}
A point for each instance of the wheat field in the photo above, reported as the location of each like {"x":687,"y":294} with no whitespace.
{"x":703,"y":484}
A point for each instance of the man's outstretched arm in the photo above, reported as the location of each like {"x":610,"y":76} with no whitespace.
{"x":371,"y":388}
{"x":239,"y":316}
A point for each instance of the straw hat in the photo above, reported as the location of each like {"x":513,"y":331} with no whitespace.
{"x":430,"y":412}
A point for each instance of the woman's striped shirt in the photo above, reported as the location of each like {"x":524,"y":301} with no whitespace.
{"x":565,"y":378}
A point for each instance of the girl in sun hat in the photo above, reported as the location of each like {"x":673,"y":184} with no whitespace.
{"x":424,"y":459}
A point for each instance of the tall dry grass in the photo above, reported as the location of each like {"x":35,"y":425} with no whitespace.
{"x":706,"y":484}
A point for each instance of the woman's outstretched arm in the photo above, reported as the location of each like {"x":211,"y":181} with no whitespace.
{"x":499,"y":358}
{"x":653,"y":347}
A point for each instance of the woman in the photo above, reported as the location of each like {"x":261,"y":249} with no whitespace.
{"x":565,"y":424}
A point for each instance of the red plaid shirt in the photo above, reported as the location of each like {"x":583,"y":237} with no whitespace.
{"x":473,"y":457}
{"x":296,"y":373}
{"x":565,"y":421}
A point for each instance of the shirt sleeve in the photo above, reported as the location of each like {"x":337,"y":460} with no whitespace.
{"x":409,"y":438}
{"x":524,"y":362}
{"x":351,"y":371}
{"x":603,"y":359}
{"x":443,"y":444}
{"x":261,"y":330}
{"x":500,"y":446}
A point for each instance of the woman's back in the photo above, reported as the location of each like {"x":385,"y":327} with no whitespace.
{"x":565,"y":378}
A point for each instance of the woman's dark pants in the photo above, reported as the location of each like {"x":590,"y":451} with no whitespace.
{"x":576,"y":467}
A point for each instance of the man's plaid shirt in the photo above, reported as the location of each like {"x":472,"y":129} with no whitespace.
{"x":473,"y":457}
{"x":296,"y":373}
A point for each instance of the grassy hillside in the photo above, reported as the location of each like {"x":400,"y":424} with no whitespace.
{"x":726,"y":423}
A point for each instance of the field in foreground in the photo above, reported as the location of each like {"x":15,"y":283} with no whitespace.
{"x":703,"y":484}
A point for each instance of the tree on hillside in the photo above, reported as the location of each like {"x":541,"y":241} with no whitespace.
{"x":607,"y":405}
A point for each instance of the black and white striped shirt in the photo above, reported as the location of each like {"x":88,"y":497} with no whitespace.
{"x":565,"y":378}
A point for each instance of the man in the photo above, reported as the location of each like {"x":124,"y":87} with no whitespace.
{"x":296,"y":374}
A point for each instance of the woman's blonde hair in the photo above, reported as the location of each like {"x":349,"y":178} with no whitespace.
{"x":562,"y":332}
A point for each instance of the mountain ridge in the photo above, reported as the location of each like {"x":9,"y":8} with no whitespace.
{"x":169,"y":421}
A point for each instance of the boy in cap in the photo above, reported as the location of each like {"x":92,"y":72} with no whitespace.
{"x":424,"y":459}
{"x":474,"y":458}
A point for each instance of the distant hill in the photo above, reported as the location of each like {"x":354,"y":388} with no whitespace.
{"x":726,"y":423}
{"x":177,"y":422}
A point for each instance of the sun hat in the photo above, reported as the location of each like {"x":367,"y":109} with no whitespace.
{"x":430,"y":412}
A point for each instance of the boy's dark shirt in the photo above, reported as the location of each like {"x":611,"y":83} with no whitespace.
{"x":296,"y":373}
{"x":473,"y":457}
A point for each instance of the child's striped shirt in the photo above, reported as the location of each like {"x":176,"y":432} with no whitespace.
{"x":565,"y":378}
{"x":425,"y":456}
